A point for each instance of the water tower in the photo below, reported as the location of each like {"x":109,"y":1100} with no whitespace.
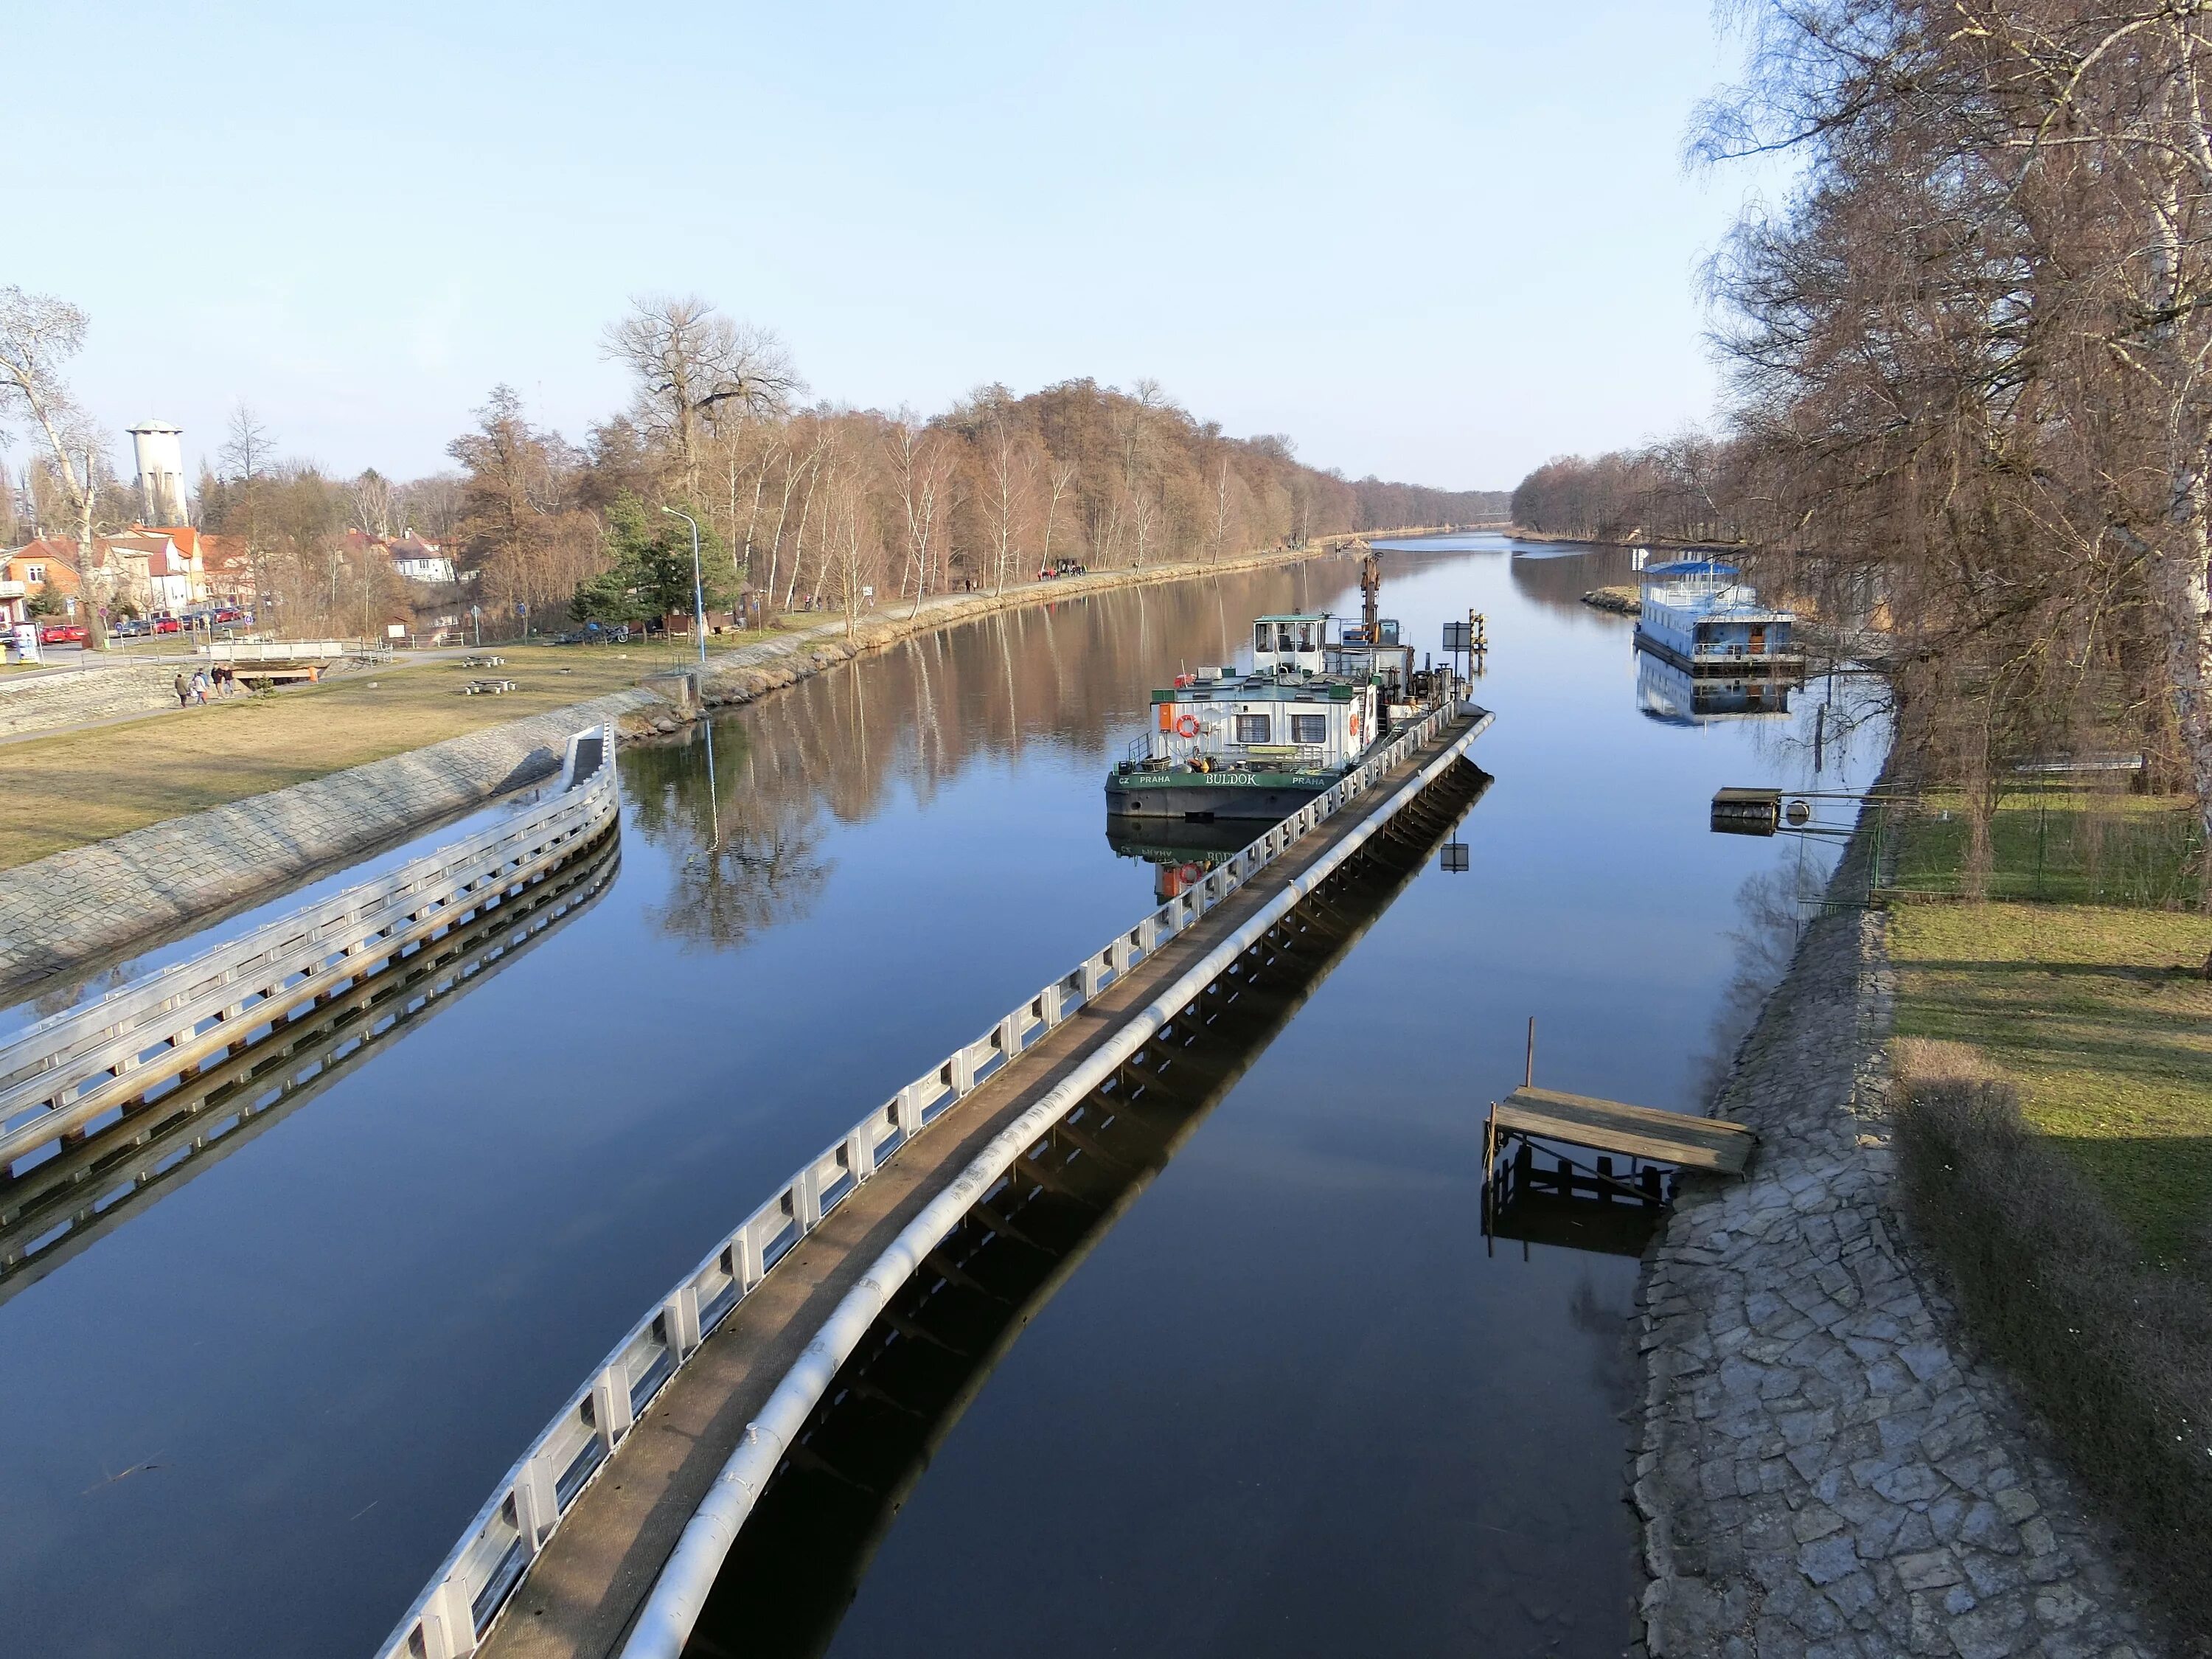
{"x":161,"y":471}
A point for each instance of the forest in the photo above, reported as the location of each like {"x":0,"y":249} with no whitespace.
{"x":801,"y":505}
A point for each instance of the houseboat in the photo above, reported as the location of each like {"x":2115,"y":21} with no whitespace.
{"x":1260,"y":744}
{"x":1697,"y":616}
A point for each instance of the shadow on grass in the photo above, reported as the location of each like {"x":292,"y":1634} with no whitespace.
{"x":2116,"y":1356}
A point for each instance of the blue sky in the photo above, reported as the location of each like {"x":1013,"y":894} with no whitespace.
{"x":1435,"y":241}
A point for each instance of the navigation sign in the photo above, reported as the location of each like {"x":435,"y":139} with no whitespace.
{"x":1459,"y":636}
{"x":1454,"y":860}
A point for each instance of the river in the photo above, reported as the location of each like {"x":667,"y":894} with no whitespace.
{"x":1289,"y":1402}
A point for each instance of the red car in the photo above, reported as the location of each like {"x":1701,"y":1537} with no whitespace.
{"x":168,"y":625}
{"x":62,"y":634}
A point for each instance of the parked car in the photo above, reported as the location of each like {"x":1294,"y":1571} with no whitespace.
{"x":130,"y":628}
{"x":595,"y":633}
{"x":62,"y":634}
{"x":168,"y":625}
{"x":229,"y":613}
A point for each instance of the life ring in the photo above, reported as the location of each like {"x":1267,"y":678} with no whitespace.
{"x":1190,"y":875}
{"x":1187,"y":726}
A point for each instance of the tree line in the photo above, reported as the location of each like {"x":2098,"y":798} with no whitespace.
{"x":801,"y":504}
{"x":1966,"y":366}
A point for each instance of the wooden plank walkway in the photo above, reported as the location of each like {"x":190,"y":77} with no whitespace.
{"x":1708,"y":1143}
{"x":583,"y":1593}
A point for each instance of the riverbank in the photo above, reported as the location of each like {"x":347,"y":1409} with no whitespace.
{"x":75,"y":907}
{"x":1824,"y":1462}
{"x":1620,"y":601}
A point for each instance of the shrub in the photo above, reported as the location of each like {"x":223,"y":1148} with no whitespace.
{"x":2115,"y":1355}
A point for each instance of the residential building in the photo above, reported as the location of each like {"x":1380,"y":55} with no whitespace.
{"x":419,"y":560}
{"x":49,"y":564}
{"x":155,"y":569}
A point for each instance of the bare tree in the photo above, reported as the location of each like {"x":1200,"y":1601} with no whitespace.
{"x":38,"y":334}
{"x":693,"y":365}
{"x":1061,"y":476}
{"x":1009,"y":467}
{"x":375,"y":502}
{"x":245,"y":458}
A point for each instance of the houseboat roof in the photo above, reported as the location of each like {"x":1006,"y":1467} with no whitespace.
{"x":1294,"y":616}
{"x":1674,"y":568}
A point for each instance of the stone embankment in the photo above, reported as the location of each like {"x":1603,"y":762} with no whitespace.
{"x":45,"y":702}
{"x":1621,"y":601}
{"x":74,"y":909}
{"x":1826,"y":1468}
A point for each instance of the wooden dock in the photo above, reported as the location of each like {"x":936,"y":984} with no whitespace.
{"x":1711,"y":1144}
{"x":1576,"y":1200}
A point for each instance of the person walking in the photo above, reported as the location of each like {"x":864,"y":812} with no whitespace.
{"x":183,"y":691}
{"x":199,"y":687}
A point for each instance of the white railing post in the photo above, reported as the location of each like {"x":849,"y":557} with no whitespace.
{"x":806,"y":1200}
{"x":610,"y":1405}
{"x":449,"y":1626}
{"x":682,"y":1310}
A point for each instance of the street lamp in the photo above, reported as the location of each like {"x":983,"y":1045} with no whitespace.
{"x":698,"y":588}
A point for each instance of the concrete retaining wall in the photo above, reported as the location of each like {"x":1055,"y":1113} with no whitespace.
{"x":75,"y":907}
{"x":48,"y":701}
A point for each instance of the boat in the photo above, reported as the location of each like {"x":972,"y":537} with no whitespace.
{"x":1258,"y":744}
{"x":1698,"y":616}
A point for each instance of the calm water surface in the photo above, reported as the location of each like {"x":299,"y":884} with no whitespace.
{"x":1288,"y":1404}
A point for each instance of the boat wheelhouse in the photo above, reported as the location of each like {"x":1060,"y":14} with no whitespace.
{"x":1699,"y":617}
{"x":1262,"y":743}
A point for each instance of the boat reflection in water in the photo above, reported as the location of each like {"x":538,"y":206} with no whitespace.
{"x":799,"y":1560}
{"x":1665,"y":693}
{"x":1180,"y":852}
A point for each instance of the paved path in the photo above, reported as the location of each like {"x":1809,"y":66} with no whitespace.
{"x":1826,"y":1470}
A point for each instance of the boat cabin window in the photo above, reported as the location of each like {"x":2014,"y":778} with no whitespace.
{"x":1307,"y":642}
{"x":1252,"y":728}
{"x":1308,"y":728}
{"x":1263,"y":636}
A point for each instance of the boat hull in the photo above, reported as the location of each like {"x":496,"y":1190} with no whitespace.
{"x":1261,"y":797}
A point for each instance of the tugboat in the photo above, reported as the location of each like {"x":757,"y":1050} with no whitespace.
{"x":1259,"y":745}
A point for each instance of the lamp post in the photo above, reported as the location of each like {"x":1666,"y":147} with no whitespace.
{"x":698,"y":588}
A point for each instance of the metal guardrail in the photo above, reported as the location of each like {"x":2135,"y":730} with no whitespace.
{"x":66,"y":1202}
{"x":77,"y":1072}
{"x":282,"y":650}
{"x":452,"y":1615}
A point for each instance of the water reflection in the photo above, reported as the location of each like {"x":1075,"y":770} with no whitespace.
{"x":54,"y":1210}
{"x":1667,"y":693}
{"x":801,"y":1557}
{"x":1179,"y":851}
{"x":746,"y":832}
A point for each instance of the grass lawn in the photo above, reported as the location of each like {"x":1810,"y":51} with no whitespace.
{"x":2095,"y":1014}
{"x":2065,"y":846}
{"x":76,"y":787}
